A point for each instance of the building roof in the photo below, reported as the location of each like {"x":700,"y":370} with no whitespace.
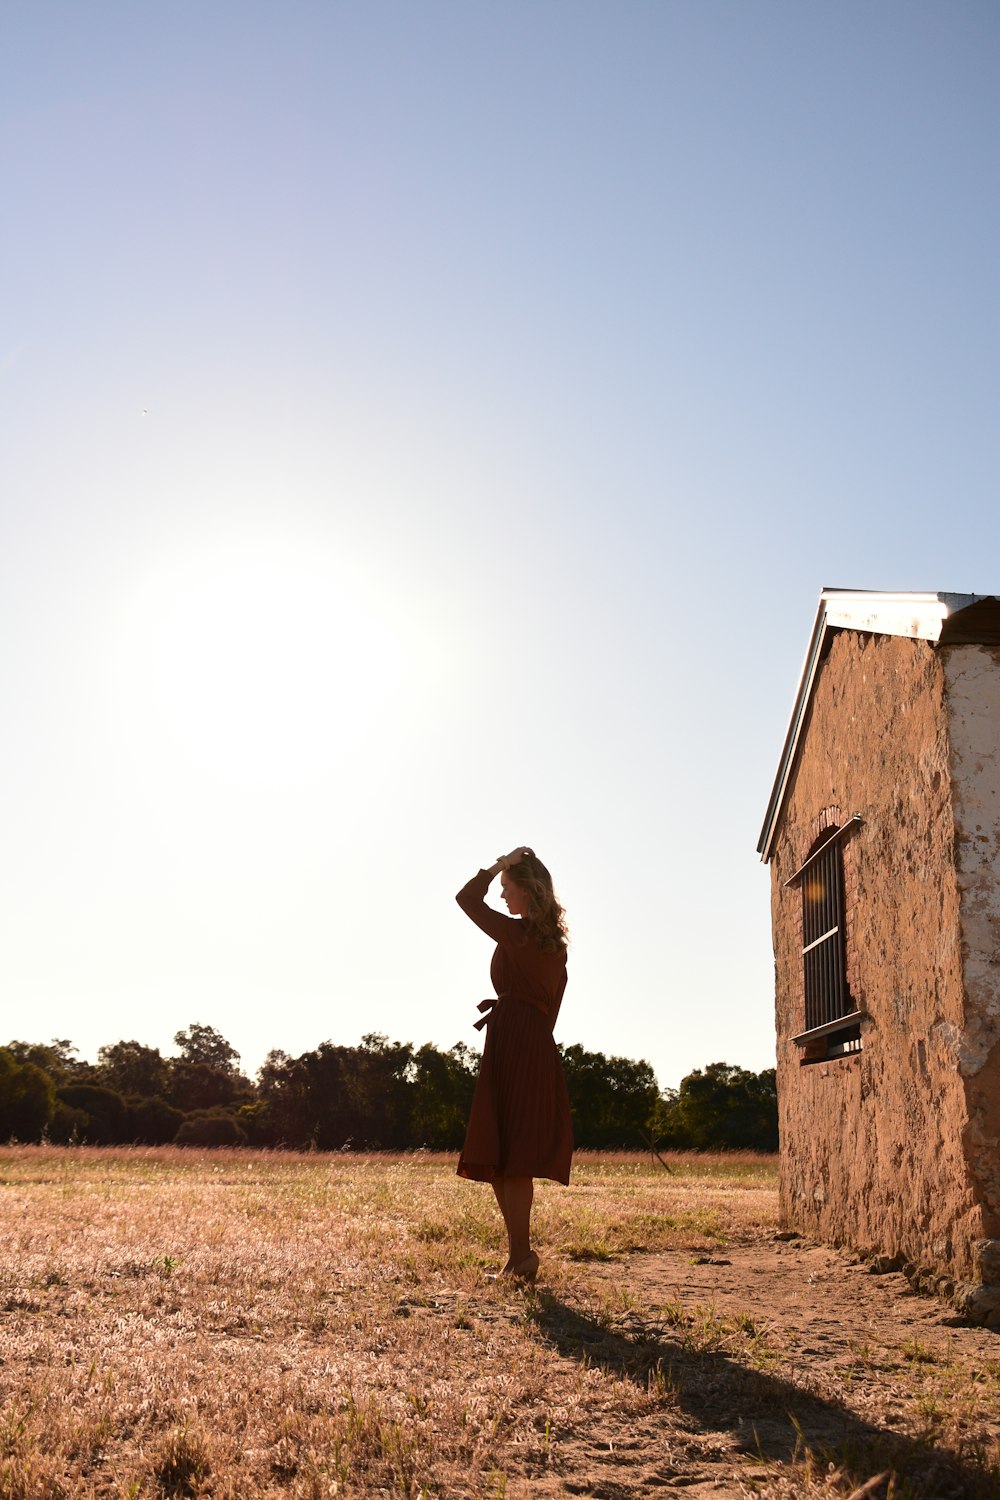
{"x":945,"y":619}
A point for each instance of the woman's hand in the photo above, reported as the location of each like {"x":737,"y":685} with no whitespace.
{"x":514,"y":857}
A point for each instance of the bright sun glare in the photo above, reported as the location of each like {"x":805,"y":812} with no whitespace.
{"x":269,"y":665}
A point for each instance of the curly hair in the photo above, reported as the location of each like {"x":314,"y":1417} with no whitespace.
{"x":545,"y":920}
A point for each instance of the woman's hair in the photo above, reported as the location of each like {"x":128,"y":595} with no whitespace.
{"x":545,"y":919}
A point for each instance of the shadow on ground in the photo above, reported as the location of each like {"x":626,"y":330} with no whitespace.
{"x":768,"y":1416}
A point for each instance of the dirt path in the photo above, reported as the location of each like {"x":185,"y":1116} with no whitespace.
{"x":819,"y":1348}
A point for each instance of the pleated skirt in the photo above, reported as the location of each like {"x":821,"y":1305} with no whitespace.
{"x":519,"y":1123}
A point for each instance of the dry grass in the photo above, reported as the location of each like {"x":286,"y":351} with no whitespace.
{"x":192,"y":1323}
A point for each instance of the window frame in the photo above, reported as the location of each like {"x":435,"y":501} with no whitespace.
{"x":831,"y":1014}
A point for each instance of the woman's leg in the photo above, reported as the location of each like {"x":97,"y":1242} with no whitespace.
{"x":518,"y":1193}
{"x":501,"y":1197}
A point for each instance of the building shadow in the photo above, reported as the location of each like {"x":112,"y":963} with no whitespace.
{"x":771,"y":1418}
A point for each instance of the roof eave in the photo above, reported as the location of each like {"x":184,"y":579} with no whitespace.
{"x":790,"y":747}
{"x":919,"y":616}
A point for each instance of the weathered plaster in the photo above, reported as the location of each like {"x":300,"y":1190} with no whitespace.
{"x":972,"y":697}
{"x":873,"y":1144}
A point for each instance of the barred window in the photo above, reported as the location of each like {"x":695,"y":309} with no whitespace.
{"x":832,"y":1019}
{"x":823,"y":952}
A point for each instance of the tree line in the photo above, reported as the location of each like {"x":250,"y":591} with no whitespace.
{"x":379,"y":1095}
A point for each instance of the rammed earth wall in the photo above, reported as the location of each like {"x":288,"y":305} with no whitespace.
{"x":972,"y":695}
{"x":874,"y":1145}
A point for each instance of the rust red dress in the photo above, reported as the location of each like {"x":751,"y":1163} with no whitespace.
{"x":519,"y":1124}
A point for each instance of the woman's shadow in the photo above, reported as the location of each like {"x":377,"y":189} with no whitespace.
{"x":770,"y":1417}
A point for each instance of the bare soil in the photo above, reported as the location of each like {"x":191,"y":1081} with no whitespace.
{"x":842,"y":1351}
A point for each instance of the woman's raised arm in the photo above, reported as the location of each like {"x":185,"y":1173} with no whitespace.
{"x":471,"y":898}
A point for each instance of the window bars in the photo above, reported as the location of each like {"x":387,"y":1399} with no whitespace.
{"x":823,"y":954}
{"x":831,"y":1016}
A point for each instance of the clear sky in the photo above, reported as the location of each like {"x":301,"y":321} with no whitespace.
{"x":426,"y":428}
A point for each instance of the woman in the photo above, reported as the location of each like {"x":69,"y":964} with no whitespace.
{"x":519,"y":1125}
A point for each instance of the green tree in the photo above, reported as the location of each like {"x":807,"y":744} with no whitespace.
{"x":131,"y":1068}
{"x":612,"y":1099}
{"x":152,"y":1121}
{"x":666,"y":1129}
{"x":337,"y":1097}
{"x":27,"y":1099}
{"x":441,"y":1086}
{"x":280,"y":1116}
{"x":378,"y":1080}
{"x":723,"y":1108}
{"x":211,"y":1128}
{"x":67,"y":1126}
{"x":106,"y":1115}
{"x":198,"y":1085}
{"x":254,"y":1120}
{"x":57,"y":1058}
{"x":203,"y":1044}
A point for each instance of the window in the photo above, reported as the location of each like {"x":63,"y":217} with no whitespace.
{"x":832,"y":1018}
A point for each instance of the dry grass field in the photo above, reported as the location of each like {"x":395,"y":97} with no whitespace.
{"x":196,"y":1323}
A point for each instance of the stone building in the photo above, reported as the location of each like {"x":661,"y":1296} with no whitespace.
{"x":883,"y":837}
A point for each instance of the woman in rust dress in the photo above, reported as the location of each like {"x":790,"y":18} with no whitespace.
{"x":519,"y":1125}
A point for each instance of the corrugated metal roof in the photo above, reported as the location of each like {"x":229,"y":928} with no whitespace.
{"x":942,"y":618}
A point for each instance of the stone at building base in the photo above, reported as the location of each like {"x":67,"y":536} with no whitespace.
{"x":882,"y":1265}
{"x":988,"y":1261}
{"x":978,"y":1302}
